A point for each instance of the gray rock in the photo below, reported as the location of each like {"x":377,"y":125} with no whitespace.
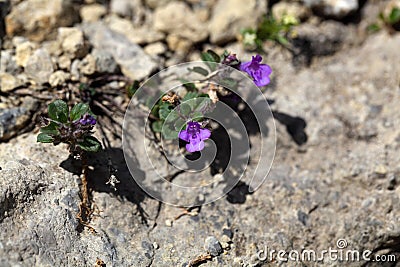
{"x":8,"y":63}
{"x":92,"y":13}
{"x":58,"y":78}
{"x":155,"y":49}
{"x":213,"y":246}
{"x":105,"y":62}
{"x":132,"y":9}
{"x":293,"y":9}
{"x":333,"y":8}
{"x":99,"y":61}
{"x":72,"y":42}
{"x":231,"y":16}
{"x":138,"y":35}
{"x":39,"y":66}
{"x":37,"y":19}
{"x":9,"y":82}
{"x":177,"y":18}
{"x":23,"y":51}
{"x":13,"y":120}
{"x":133,"y":61}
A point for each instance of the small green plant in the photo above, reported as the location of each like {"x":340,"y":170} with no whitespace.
{"x":183,"y":115}
{"x":269,"y":29}
{"x":391,"y":21}
{"x":73,"y":127}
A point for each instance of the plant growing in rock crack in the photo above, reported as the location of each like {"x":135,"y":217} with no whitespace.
{"x":183,"y":116}
{"x":73,"y":127}
{"x":269,"y":29}
{"x":389,"y":21}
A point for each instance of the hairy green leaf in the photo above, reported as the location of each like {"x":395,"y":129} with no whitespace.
{"x":58,"y":111}
{"x":90,"y":144}
{"x":44,"y":138}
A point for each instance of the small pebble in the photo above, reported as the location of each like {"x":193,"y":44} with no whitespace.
{"x":213,"y":246}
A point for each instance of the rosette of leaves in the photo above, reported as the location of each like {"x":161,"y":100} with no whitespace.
{"x":73,"y":127}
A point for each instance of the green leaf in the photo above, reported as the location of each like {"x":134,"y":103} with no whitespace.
{"x":188,"y":85}
{"x":209,"y":60}
{"x":173,"y":115}
{"x":157,"y":126}
{"x":51,"y":129}
{"x":214,"y":55}
{"x":168,"y":133}
{"x":44,"y":138}
{"x":199,"y":70}
{"x":394,"y":16}
{"x":165,"y":109}
{"x":185,"y":109}
{"x":229,"y":83}
{"x":179,"y":124}
{"x":78,"y":111}
{"x":131,"y":89}
{"x":90,"y":144}
{"x":190,"y":95}
{"x":373,"y":27}
{"x":58,"y":111}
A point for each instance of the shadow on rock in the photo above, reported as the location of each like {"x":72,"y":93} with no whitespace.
{"x":106,"y":163}
{"x":294,"y":125}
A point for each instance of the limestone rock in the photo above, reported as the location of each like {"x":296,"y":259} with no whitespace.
{"x":37,"y":19}
{"x":231,"y":16}
{"x":137,"y":35}
{"x":9,"y":82}
{"x":72,"y":42}
{"x":293,"y":9}
{"x":23,"y":51}
{"x":39,"y":66}
{"x":177,"y":18}
{"x":333,"y":8}
{"x":157,"y":48}
{"x":58,"y":78}
{"x":12,"y":120}
{"x":92,"y":13}
{"x":131,"y":58}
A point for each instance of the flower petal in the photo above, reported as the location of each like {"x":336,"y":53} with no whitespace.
{"x":266,"y":69}
{"x":257,"y":58}
{"x":191,"y":147}
{"x":204,"y":134}
{"x":184,"y":135}
{"x":245,"y":66}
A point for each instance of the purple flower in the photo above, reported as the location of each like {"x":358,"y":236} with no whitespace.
{"x":87,"y":119}
{"x":259,"y":72}
{"x":195,"y":135}
{"x":231,"y":60}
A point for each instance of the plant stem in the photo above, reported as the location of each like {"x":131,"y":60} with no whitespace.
{"x":85,"y":205}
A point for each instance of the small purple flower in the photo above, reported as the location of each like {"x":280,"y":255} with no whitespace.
{"x":259,"y":72}
{"x":195,"y":135}
{"x":87,"y":119}
{"x":231,"y":60}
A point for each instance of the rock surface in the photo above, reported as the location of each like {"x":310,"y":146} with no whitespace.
{"x":335,"y":175}
{"x":38,"y":19}
{"x":39,"y":66}
{"x":178,"y":19}
{"x":231,"y":16}
{"x":333,"y":8}
{"x":131,"y":58}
